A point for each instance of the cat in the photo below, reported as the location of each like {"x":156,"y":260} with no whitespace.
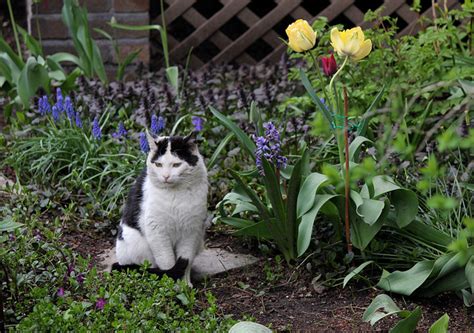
{"x":164,"y":218}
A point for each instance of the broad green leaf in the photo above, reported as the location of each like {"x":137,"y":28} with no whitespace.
{"x":405,"y":203}
{"x":31,"y":43}
{"x":305,"y":228}
{"x":428,"y":234}
{"x":218,"y":150}
{"x":127,"y":61}
{"x":308,"y":192}
{"x":244,"y":139}
{"x":453,"y":281}
{"x":248,"y":228}
{"x":172,"y":75}
{"x":370,"y":210}
{"x":382,"y":302}
{"x":9,"y":69}
{"x":441,"y":325}
{"x":363,"y":233}
{"x":31,"y":78}
{"x":4,"y":47}
{"x":355,"y":272}
{"x":244,"y":207}
{"x":251,"y":194}
{"x":408,"y":325}
{"x":470,"y":272}
{"x":8,"y":225}
{"x":272,"y":186}
{"x":383,"y":184}
{"x":64,"y":57}
{"x":355,"y":146}
{"x":2,"y":80}
{"x":406,"y":282}
{"x":57,"y":75}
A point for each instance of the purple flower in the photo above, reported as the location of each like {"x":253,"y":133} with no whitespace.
{"x":69,"y":109}
{"x":78,"y":120}
{"x":70,"y":269}
{"x":60,"y":292}
{"x":121,"y":131}
{"x":43,"y":105}
{"x":80,"y":278}
{"x":157,"y":124}
{"x":99,"y":305}
{"x":197,"y":123}
{"x":269,"y":147}
{"x":96,"y":131}
{"x":59,"y":100}
{"x":144,"y":143}
{"x":55,"y":113}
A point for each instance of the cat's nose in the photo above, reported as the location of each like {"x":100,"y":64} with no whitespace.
{"x":166,"y":178}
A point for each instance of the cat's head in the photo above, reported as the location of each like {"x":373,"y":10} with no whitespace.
{"x":173,"y":160}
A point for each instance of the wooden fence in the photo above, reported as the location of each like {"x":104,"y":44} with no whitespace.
{"x":248,"y":31}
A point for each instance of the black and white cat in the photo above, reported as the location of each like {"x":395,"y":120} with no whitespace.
{"x":163,"y":220}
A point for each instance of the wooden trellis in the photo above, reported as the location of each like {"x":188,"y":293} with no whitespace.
{"x":248,"y":31}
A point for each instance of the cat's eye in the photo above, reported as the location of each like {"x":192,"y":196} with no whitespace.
{"x":176,"y":165}
{"x":159,"y":165}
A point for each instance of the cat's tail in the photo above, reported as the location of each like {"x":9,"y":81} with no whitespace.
{"x":175,"y":272}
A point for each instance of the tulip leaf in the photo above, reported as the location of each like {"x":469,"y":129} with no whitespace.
{"x":308,"y":192}
{"x":363,"y":233}
{"x":362,"y":129}
{"x":470,"y":272}
{"x":405,"y":203}
{"x":408,"y":325}
{"x":218,"y":150}
{"x":382,"y":302}
{"x":305,"y":229}
{"x":382,"y":185}
{"x":248,"y":228}
{"x":314,"y":97}
{"x":441,"y":325}
{"x":355,"y":146}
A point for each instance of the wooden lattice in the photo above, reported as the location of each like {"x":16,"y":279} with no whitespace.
{"x":245,"y":31}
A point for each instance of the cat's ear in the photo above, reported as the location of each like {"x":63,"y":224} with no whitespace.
{"x":191,"y":137}
{"x":151,"y":141}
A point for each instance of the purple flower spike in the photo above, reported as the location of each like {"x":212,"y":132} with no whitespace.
{"x":121,"y":131}
{"x":69,"y":109}
{"x":157,"y":124}
{"x":80,"y":278}
{"x":144,"y":143}
{"x":197,"y":123}
{"x":99,"y":305}
{"x":59,"y":100}
{"x":55,"y":113}
{"x":43,"y":105}
{"x":60,"y":292}
{"x":269,"y":147}
{"x":96,"y":131}
{"x":78,"y":120}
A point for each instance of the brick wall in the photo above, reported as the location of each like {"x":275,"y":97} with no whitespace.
{"x":55,"y":35}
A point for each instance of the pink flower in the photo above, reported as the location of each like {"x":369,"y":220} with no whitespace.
{"x":99,"y":305}
{"x":329,"y":65}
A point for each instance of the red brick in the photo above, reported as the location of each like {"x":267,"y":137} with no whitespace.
{"x":143,"y":56}
{"x":55,"y":6}
{"x":130,"y":6}
{"x":51,"y":27}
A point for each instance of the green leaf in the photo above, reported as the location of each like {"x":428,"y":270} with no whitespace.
{"x":381,"y":302}
{"x":363,"y":233}
{"x":114,"y":24}
{"x":365,"y":122}
{"x":31,"y":43}
{"x":470,"y":272}
{"x":251,"y":194}
{"x":8,"y":225}
{"x":305,"y":228}
{"x":441,"y":325}
{"x":9,"y":69}
{"x":355,"y":272}
{"x":212,"y":161}
{"x":371,"y":210}
{"x":4,"y":47}
{"x":405,"y":203}
{"x":31,"y":78}
{"x":406,"y":282}
{"x":272,"y":186}
{"x":243,"y":138}
{"x":127,"y":61}
{"x":383,"y":184}
{"x":64,"y":57}
{"x":172,"y":74}
{"x":308,"y":192}
{"x":355,"y":146}
{"x":408,"y":325}
{"x":314,"y":97}
{"x":248,"y":228}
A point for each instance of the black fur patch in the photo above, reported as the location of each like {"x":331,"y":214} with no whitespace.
{"x":182,"y":147}
{"x":162,"y":145}
{"x":120,"y":232}
{"x":132,"y":206}
{"x":175,"y":272}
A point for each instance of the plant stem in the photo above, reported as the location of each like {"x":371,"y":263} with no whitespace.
{"x":346,"y":144}
{"x":331,"y":83}
{"x":15,"y":32}
{"x":320,"y":76}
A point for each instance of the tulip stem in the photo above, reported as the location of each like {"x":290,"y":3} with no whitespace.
{"x":320,"y":76}
{"x":331,"y":83}
{"x":347,"y":184}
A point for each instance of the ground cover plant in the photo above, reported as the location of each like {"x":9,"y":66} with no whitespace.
{"x":346,"y":164}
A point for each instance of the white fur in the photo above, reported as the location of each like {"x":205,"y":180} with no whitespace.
{"x":173,"y":214}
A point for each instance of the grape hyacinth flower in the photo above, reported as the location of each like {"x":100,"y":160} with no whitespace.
{"x":55,"y":113}
{"x":144,"y":143}
{"x":96,"y":131}
{"x":78,"y":120}
{"x":269,"y":147}
{"x":59,"y":100}
{"x":69,"y":109}
{"x":121,"y":131}
{"x":157,"y":124}
{"x":60,"y":292}
{"x":197,"y":123}
{"x":43,"y":105}
{"x":99,"y":305}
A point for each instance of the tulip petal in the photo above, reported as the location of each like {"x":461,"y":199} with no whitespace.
{"x":336,"y":41}
{"x":364,"y":50}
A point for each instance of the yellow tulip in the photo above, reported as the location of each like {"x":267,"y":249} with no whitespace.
{"x":301,"y":37}
{"x":351,"y":43}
